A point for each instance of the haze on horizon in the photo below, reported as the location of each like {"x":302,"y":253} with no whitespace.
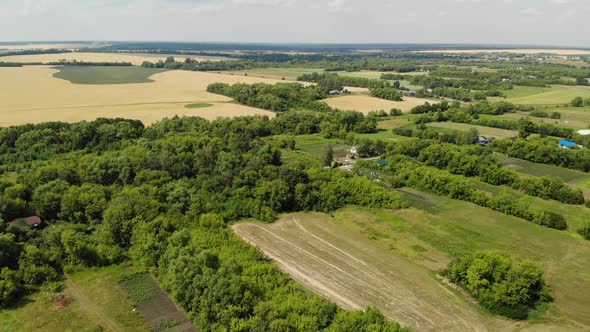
{"x":522,"y":22}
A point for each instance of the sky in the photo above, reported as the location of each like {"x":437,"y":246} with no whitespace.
{"x":528,"y":22}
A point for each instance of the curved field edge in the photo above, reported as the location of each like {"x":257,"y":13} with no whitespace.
{"x":106,"y":74}
{"x":389,"y":259}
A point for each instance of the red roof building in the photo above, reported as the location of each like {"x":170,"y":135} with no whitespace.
{"x":32,"y":221}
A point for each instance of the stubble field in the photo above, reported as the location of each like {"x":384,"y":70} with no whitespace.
{"x":32,"y":95}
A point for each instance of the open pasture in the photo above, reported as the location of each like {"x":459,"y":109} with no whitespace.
{"x":275,"y":73}
{"x":483,"y":131}
{"x":32,"y":95}
{"x":366,"y":104}
{"x":555,"y":95}
{"x":134,"y":58}
{"x":535,"y":169}
{"x":575,"y":118}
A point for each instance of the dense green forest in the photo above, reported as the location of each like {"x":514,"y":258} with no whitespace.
{"x":112,"y":190}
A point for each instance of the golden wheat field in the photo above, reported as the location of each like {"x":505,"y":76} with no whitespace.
{"x":44,"y":46}
{"x":32,"y":95}
{"x":366,"y":104}
{"x":133,"y":58}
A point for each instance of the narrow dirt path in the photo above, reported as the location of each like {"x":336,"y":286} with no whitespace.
{"x":90,"y":308}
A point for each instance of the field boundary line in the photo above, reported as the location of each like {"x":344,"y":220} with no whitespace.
{"x":328,"y":243}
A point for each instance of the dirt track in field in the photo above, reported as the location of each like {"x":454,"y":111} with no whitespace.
{"x":349,"y":270}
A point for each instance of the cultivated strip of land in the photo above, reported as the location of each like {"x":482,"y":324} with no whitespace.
{"x":352,"y":272}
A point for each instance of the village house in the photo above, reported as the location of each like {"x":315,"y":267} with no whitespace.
{"x":32,"y":221}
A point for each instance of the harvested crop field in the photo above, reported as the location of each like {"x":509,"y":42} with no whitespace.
{"x":134,"y":58}
{"x":32,"y":95}
{"x":368,"y":104}
{"x":349,"y":269}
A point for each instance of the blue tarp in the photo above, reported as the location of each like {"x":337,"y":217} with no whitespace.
{"x":567,"y":143}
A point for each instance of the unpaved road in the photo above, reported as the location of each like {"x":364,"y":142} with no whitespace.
{"x":92,"y":310}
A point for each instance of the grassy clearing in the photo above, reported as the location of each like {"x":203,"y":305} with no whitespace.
{"x":394,"y":122}
{"x":557,"y":94}
{"x":275,"y":73}
{"x":198,"y":105}
{"x":534,"y":169}
{"x":570,"y":118}
{"x":384,"y":134}
{"x":524,"y":91}
{"x":106,"y":75}
{"x":584,"y":183}
{"x":32,"y":95}
{"x":96,"y":301}
{"x":483,"y":131}
{"x":366,"y":104}
{"x":311,"y":147}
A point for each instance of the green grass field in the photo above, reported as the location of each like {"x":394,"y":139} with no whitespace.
{"x":556,"y":95}
{"x":368,"y":256}
{"x":96,"y":303}
{"x":535,"y":169}
{"x":106,"y":75}
{"x":311,"y":147}
{"x":377,"y":75}
{"x":570,"y":117}
{"x":290,"y":74}
{"x":483,"y":131}
{"x":198,"y":105}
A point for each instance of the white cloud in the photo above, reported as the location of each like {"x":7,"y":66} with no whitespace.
{"x":386,"y":21}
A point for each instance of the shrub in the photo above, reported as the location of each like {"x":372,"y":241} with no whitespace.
{"x":539,"y":114}
{"x":585,"y":230}
{"x":551,"y":220}
{"x":578,"y":102}
{"x":395,"y":112}
{"x":501,"y":285}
